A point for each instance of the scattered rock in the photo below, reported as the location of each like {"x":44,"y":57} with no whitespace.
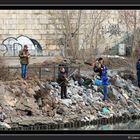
{"x":60,"y":110}
{"x":4,"y":125}
{"x":67,"y":102}
{"x":35,"y":98}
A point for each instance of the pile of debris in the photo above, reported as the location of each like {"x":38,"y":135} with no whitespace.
{"x":31,"y":101}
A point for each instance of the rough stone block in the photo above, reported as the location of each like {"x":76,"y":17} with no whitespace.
{"x":43,"y":21}
{"x":13,"y":32}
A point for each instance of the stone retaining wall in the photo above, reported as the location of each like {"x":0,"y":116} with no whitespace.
{"x":35,"y":24}
{"x":40,"y":25}
{"x":74,"y":124}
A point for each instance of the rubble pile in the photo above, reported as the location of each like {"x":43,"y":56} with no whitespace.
{"x":33,"y":101}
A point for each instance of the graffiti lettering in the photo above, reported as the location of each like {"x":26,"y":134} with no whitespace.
{"x":11,"y":46}
{"x":112,"y":30}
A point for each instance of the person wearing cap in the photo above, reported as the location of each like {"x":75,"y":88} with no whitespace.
{"x":138,"y":72}
{"x":24,"y":61}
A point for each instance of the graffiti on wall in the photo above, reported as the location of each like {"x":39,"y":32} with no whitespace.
{"x":11,"y":46}
{"x":112,"y":29}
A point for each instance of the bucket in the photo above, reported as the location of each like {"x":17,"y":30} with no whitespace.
{"x":98,"y":82}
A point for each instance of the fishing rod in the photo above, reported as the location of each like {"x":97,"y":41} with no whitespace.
{"x":69,"y":76}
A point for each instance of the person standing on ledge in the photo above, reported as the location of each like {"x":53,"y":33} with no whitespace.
{"x":105,"y":82}
{"x":24,"y":61}
{"x":63,"y":81}
{"x":138,"y":72}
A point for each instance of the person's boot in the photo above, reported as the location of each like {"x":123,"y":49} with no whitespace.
{"x":139,"y":85}
{"x":62,"y":97}
{"x":66,"y":97}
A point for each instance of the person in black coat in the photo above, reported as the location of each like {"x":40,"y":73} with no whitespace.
{"x":65,"y":65}
{"x":62,"y":78}
{"x":138,"y":71}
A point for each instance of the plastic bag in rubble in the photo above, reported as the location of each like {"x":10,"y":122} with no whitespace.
{"x":105,"y":110}
{"x":115,"y":93}
{"x":98,"y":82}
{"x":119,"y":81}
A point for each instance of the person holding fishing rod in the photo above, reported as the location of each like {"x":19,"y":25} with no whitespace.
{"x":63,"y":82}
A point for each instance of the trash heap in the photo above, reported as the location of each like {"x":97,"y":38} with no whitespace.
{"x":33,"y":101}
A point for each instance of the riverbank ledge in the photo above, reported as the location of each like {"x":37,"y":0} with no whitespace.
{"x":36,"y":105}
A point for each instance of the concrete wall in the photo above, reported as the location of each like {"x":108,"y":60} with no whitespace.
{"x":35,"y":24}
{"x":39,"y":25}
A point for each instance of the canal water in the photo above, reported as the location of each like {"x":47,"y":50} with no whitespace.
{"x":131,"y":125}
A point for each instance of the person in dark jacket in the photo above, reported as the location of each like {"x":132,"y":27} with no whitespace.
{"x":65,"y":65}
{"x":99,"y":66}
{"x":24,"y":61}
{"x":138,"y":72}
{"x":62,"y":78}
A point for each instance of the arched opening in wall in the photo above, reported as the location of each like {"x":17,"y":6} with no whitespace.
{"x":12,"y":46}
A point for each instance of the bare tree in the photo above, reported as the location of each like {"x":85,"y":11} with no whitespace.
{"x":79,"y":30}
{"x":93,"y":35}
{"x":68,"y":30}
{"x":130,"y":18}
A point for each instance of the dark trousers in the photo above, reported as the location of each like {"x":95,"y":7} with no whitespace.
{"x":139,"y":84}
{"x":138,"y":78}
{"x":105,"y":90}
{"x":63,"y":91}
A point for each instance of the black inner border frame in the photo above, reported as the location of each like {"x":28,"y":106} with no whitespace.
{"x":120,"y":133}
